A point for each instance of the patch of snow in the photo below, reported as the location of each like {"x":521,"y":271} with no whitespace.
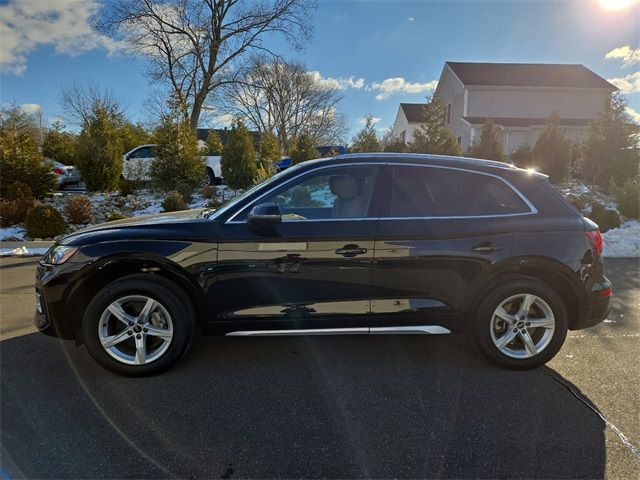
{"x":624,"y":241}
{"x":198,"y":201}
{"x":155,"y":207}
{"x":15,"y":232}
{"x":23,"y":252}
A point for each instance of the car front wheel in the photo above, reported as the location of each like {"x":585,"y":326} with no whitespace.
{"x":138,"y":326}
{"x":521,"y":324}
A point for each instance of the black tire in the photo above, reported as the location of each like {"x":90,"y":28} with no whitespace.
{"x":480,"y":330}
{"x":209,"y":178}
{"x":168,"y":295}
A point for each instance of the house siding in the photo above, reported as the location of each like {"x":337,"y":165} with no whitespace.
{"x":535,"y":103}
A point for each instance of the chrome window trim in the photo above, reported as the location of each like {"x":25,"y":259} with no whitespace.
{"x":532,"y":209}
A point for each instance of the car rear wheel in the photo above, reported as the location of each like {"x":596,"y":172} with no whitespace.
{"x":209,"y":178}
{"x":521,"y":324}
{"x":138,"y":326}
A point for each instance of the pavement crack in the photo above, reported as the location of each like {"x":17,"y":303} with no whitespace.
{"x":623,"y":438}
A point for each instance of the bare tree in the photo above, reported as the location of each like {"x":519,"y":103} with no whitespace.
{"x":195,"y":45}
{"x":80,"y":102}
{"x":285,"y":98}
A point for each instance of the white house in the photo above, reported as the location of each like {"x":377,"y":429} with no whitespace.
{"x":517,"y":97}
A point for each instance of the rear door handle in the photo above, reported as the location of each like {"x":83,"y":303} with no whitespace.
{"x":487,"y":247}
{"x":351,"y":251}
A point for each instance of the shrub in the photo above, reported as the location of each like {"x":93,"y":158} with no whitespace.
{"x":489,"y":146}
{"x":577,"y":202}
{"x":116,"y":216}
{"x":303,"y":149}
{"x":605,"y":218}
{"x":209,"y":191}
{"x":238,"y":161}
{"x":628,"y":198}
{"x":522,"y":156}
{"x":552,"y":151}
{"x":99,"y":155}
{"x":20,"y":158}
{"x":186,"y":190}
{"x":214,"y":144}
{"x":174,"y":202}
{"x":15,"y":211}
{"x":78,"y":209}
{"x":17,"y":190}
{"x":127,"y":187}
{"x":59,"y":145}
{"x":178,"y":164}
{"x":44,"y":221}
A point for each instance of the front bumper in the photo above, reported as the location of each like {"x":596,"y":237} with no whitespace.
{"x":51,"y":316}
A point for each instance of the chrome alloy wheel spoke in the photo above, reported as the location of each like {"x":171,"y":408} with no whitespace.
{"x":148,"y":340}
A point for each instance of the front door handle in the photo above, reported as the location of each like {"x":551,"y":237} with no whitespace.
{"x":487,"y":247}
{"x":351,"y":250}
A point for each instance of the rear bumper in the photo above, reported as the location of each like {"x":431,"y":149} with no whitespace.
{"x":598,"y":307}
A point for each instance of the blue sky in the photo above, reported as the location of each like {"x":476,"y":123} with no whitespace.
{"x":380,"y":52}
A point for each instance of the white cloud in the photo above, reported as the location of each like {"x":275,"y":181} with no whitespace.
{"x":629,"y":56}
{"x":634,"y":114}
{"x":363,"y":120}
{"x":338,"y":83}
{"x":31,"y":108}
{"x":411,"y":19}
{"x":63,"y":24}
{"x":394,"y":85}
{"x":629,"y":83}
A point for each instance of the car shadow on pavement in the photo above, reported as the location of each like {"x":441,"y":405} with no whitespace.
{"x":294,"y":407}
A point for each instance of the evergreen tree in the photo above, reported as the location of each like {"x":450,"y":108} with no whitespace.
{"x":99,"y":152}
{"x":239,"y":158}
{"x":20,"y":158}
{"x":59,"y":145}
{"x":178,"y":164}
{"x":366,"y":140}
{"x":270,"y":152}
{"x":390,"y":143}
{"x":552,"y":151}
{"x":133,"y":135}
{"x":214,"y":144}
{"x":611,"y":151}
{"x":303,"y":149}
{"x":489,"y":146}
{"x":434,"y":136}
{"x":522,"y":156}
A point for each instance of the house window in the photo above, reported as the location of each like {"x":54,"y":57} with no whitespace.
{"x":449,"y":114}
{"x":459,"y":140}
{"x":403,"y":135}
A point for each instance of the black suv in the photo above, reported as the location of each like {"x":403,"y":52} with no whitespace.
{"x":360,"y":244}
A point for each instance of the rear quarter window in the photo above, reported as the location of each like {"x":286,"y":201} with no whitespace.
{"x":442,"y":192}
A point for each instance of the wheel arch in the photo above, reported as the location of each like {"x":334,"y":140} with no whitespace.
{"x":109,"y":270}
{"x":547,"y":270}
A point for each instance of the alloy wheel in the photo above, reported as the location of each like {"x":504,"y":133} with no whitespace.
{"x":135,"y":330}
{"x":522,"y":326}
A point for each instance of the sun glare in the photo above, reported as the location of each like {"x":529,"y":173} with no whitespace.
{"x":616,"y":4}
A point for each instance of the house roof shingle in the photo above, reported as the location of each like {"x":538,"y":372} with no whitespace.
{"x":527,"y":122}
{"x":528,"y":75}
{"x":413,"y":111}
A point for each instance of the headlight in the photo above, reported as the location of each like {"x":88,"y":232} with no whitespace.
{"x":59,"y":254}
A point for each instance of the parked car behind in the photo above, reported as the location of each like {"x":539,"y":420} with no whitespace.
{"x":65,"y":174}
{"x":137,"y":164}
{"x":358,"y":244}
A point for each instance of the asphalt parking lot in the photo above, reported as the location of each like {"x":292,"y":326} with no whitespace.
{"x":322,"y":407}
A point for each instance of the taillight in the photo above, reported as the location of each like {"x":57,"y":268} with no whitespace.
{"x":594,"y":237}
{"x":58,"y":171}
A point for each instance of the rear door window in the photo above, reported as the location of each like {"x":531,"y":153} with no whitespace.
{"x":444,"y":192}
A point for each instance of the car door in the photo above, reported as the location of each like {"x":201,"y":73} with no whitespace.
{"x":138,"y":163}
{"x":441,"y":228}
{"x":313,"y":270}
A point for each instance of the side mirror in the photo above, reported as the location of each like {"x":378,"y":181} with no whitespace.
{"x":264,"y":215}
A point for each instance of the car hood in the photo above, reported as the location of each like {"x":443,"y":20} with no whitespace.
{"x":187,"y":225}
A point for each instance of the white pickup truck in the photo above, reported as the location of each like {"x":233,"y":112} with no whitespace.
{"x":137,"y":162}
